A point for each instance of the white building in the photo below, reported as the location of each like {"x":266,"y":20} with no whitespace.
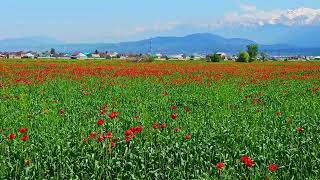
{"x":28,"y":55}
{"x":158,"y":55}
{"x":177,"y":56}
{"x":95,"y":56}
{"x":82,"y":56}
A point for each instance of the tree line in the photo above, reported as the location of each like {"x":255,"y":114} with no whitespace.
{"x":244,"y":56}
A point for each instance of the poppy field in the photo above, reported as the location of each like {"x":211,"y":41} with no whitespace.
{"x":69,"y":119}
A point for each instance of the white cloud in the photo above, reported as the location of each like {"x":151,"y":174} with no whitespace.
{"x":290,"y":17}
{"x":249,"y":16}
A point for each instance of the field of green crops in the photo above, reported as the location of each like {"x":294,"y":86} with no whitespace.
{"x":160,"y":120}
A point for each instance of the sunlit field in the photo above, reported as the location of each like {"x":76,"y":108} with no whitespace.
{"x":160,"y":120}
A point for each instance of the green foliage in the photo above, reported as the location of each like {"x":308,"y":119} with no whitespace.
{"x":243,"y":56}
{"x":252,"y":50}
{"x":148,"y":58}
{"x":215,"y":57}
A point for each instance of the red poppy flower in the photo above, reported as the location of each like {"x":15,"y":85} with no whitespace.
{"x":22,"y":130}
{"x":173,"y":116}
{"x":113,"y":115}
{"x":135,"y":117}
{"x":11,"y":136}
{"x":299,"y":130}
{"x":277,"y":113}
{"x":61,"y":111}
{"x":176,"y":129}
{"x":272,"y":167}
{"x":187,"y":136}
{"x":24,"y":138}
{"x":84,"y":139}
{"x":133,"y":129}
{"x":219,"y":165}
{"x":246,"y":160}
{"x":249,"y":163}
{"x":129,"y":133}
{"x":164,"y":93}
{"x":173,"y":107}
{"x":138,"y":129}
{"x":92,"y":135}
{"x":163,"y":125}
{"x":108,"y":135}
{"x":100,"y":138}
{"x":100,"y":122}
{"x":127,"y":138}
{"x":155,"y":125}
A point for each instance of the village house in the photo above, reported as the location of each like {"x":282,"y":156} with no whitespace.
{"x":222,"y":55}
{"x":28,"y":55}
{"x":95,"y":55}
{"x":78,"y":55}
{"x":15,"y":55}
{"x":177,"y":56}
{"x":44,"y":55}
{"x":63,"y":56}
{"x":316,"y":58}
{"x":104,"y":56}
{"x":197,"y":56}
{"x":122,"y":56}
{"x":2,"y":55}
{"x":159,"y":56}
{"x":113,"y":55}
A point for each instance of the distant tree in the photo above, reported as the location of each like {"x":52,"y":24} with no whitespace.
{"x":252,"y":50}
{"x":243,"y":56}
{"x":167,"y":58}
{"x":96,"y":51}
{"x":144,"y":58}
{"x":264,"y":56}
{"x":52,"y":51}
{"x":106,"y":52}
{"x":215,"y":57}
{"x":192,"y":57}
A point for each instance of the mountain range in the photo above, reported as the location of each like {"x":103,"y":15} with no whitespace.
{"x":201,"y":43}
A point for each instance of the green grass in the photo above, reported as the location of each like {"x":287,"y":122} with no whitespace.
{"x":223,"y":126}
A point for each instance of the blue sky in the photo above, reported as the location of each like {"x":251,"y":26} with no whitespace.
{"x":122,"y":20}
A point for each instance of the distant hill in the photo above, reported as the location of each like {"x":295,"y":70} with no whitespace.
{"x":28,"y":43}
{"x":201,"y":43}
{"x":195,"y":43}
